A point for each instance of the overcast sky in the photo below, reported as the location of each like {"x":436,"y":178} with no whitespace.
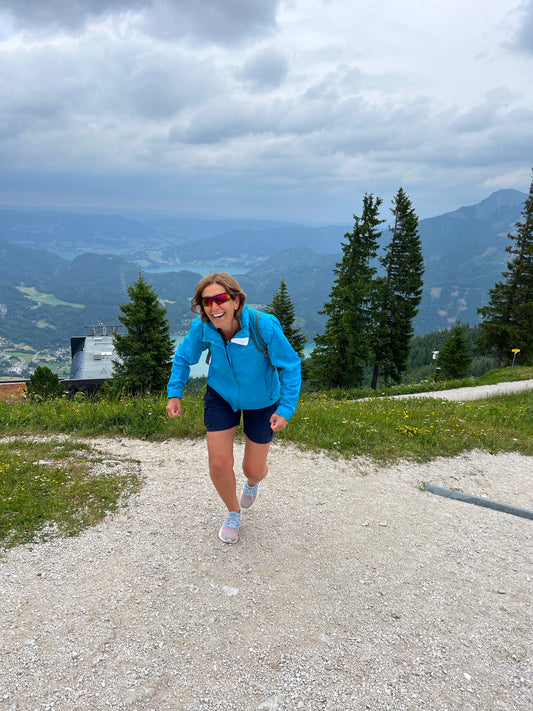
{"x":289,"y":109}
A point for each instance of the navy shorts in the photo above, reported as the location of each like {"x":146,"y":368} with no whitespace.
{"x":218,"y":416}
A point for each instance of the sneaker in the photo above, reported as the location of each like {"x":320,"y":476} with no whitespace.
{"x":229,"y":533}
{"x":249,"y":495}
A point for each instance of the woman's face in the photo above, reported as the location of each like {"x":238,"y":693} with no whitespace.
{"x":222,"y":315}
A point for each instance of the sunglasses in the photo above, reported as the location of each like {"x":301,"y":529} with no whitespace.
{"x":207,"y":301}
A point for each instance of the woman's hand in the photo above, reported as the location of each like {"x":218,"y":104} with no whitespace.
{"x":277,"y":422}
{"x":174,"y":407}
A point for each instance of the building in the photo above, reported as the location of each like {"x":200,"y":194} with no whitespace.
{"x":92,"y":359}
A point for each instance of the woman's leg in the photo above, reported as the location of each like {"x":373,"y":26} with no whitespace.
{"x":220,"y":451}
{"x":254,"y":464}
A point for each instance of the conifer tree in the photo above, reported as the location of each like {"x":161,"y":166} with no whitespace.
{"x":507,"y":320}
{"x":454,"y":357}
{"x":283,"y":309}
{"x":398,"y":293}
{"x":345,"y":347}
{"x":145,"y":351}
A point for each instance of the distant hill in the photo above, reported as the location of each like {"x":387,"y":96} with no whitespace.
{"x":157,"y":243}
{"x":60,"y":271}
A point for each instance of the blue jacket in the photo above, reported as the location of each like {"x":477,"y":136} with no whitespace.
{"x":238,"y":371}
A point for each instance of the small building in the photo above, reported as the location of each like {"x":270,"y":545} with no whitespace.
{"x":92,"y":359}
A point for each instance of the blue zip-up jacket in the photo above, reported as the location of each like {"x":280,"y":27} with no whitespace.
{"x":238,"y":371}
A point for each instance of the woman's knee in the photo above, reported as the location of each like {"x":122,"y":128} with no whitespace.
{"x":254,"y":471}
{"x":220,"y":465}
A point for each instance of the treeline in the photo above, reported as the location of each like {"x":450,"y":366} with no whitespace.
{"x":369,"y":332}
{"x":423,"y":360}
{"x":370,"y":312}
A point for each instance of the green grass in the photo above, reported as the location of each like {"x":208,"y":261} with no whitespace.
{"x":141,"y":418}
{"x":503,"y":375}
{"x":49,"y":299}
{"x":389,"y":429}
{"x":53,"y":487}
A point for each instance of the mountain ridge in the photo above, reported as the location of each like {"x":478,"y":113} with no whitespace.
{"x":90,"y":260}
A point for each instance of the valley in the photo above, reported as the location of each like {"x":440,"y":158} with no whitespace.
{"x":61,"y":271}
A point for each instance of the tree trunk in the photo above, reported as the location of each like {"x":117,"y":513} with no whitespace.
{"x":375,"y":376}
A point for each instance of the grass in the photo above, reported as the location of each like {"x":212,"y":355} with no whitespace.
{"x":49,"y":299}
{"x":51,"y":487}
{"x":56,"y":487}
{"x":389,"y":429}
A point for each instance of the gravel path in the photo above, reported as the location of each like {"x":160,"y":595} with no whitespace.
{"x":478,"y":393}
{"x":350,"y":588}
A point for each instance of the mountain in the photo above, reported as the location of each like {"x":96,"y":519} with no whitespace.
{"x":157,"y":243}
{"x":464,"y":256}
{"x":61,"y":271}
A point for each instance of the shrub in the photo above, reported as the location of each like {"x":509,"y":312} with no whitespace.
{"x":44,"y":385}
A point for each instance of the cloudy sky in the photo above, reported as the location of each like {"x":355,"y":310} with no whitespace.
{"x":282,"y":109}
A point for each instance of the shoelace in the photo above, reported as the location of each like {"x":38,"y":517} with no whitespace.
{"x":250,"y":490}
{"x":232,"y":521}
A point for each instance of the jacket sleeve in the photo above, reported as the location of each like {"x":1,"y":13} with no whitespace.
{"x":188,"y":353}
{"x":283,"y":357}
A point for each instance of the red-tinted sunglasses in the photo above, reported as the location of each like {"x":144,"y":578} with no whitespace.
{"x":207,"y":301}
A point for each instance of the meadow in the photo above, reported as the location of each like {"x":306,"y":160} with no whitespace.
{"x":38,"y":496}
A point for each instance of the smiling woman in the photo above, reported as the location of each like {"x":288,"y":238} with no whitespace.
{"x":261,"y":384}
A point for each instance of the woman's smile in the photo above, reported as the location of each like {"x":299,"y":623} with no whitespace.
{"x":222,"y":315}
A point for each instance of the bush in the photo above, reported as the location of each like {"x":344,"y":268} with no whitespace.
{"x":44,"y":385}
{"x":454,"y":358}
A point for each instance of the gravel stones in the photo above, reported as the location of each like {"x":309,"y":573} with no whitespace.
{"x":319,"y":606}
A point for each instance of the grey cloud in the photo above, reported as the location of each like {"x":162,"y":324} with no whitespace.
{"x":69,"y":15}
{"x":220,"y":121}
{"x":524,"y":36}
{"x":224,"y":22}
{"x":33,"y":98}
{"x":167,"y":84}
{"x":344,"y":126}
{"x":95,"y":79}
{"x":265,"y":71}
{"x":482,"y":117}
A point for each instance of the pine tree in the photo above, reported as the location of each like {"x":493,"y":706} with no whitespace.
{"x":345,"y":348}
{"x":398,"y":293}
{"x":507,"y":321}
{"x":283,"y":309}
{"x":454,"y":357}
{"x":145,"y":351}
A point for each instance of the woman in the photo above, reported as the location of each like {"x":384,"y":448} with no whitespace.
{"x":241,"y":378}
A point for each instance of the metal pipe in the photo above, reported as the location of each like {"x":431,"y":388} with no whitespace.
{"x":477,"y":500}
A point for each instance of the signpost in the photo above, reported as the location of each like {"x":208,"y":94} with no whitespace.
{"x":514,"y":351}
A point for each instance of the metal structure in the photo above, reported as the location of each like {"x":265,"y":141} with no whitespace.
{"x":92,"y":359}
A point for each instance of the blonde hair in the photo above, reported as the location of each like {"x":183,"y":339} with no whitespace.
{"x":231,"y":286}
